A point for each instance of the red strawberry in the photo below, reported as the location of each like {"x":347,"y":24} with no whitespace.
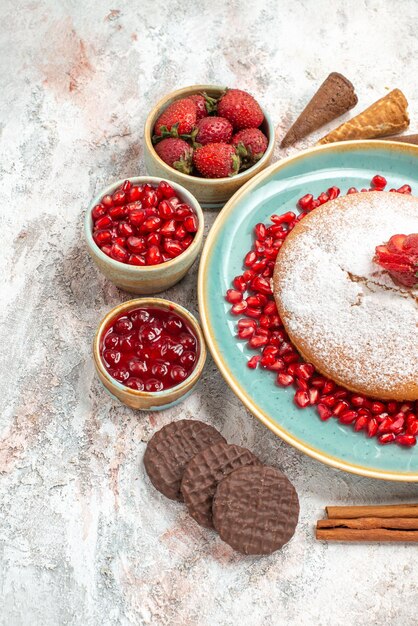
{"x":400,"y":258}
{"x":216,"y":160}
{"x":176,"y":153}
{"x":179,"y":118}
{"x":251,"y":144}
{"x":213,"y":130}
{"x":204,"y":104}
{"x":241,"y":109}
{"x":410,"y":244}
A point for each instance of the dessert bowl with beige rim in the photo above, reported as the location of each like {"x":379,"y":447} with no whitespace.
{"x":145,"y":400}
{"x":210,"y":192}
{"x":147,"y":279}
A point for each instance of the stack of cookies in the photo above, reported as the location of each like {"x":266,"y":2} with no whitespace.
{"x":254,"y":507}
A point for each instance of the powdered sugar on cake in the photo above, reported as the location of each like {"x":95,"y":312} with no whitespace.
{"x":361,"y":325}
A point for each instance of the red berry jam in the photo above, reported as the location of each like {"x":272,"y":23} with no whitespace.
{"x":149,"y":349}
{"x":143,"y":224}
{"x":261,"y":327}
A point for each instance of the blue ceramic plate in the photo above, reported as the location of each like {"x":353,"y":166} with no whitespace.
{"x":276,"y":190}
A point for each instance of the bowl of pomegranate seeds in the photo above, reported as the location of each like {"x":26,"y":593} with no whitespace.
{"x":209,"y":139}
{"x":144,"y":233}
{"x":149,"y":353}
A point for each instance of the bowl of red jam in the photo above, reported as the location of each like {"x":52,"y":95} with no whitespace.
{"x":144,"y":233}
{"x":149,"y":353}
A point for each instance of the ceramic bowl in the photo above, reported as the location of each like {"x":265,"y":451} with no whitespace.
{"x":144,"y":400}
{"x":153,"y":278}
{"x":211,"y":192}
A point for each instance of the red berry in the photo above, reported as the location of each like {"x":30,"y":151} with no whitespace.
{"x":241,"y":109}
{"x":179,"y":118}
{"x":177,"y":153}
{"x":216,"y":160}
{"x":251,"y":144}
{"x":213,"y":130}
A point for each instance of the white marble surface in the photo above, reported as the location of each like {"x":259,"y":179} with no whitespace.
{"x":84,"y":539}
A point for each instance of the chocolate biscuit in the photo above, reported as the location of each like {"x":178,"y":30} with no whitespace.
{"x":205,"y":471}
{"x":255,"y":509}
{"x":171,"y":448}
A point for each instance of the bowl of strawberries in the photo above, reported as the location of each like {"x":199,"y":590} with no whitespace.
{"x":209,"y":139}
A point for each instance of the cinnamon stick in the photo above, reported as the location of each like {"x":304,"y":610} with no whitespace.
{"x":389,"y":510}
{"x":369,"y":523}
{"x":372,"y":534}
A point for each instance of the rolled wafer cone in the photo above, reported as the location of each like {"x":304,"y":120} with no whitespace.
{"x":387,"y":116}
{"x":403,"y":138}
{"x":334,"y":97}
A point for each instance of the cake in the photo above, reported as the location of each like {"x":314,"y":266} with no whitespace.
{"x":344,"y":313}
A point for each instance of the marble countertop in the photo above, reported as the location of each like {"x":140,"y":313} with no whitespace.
{"x":84,"y":539}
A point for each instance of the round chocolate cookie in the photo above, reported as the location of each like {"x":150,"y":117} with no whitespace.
{"x":205,"y":471}
{"x":255,"y":509}
{"x":171,"y":448}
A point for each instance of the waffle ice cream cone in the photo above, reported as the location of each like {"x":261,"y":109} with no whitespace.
{"x":334,"y":97}
{"x":387,"y":116}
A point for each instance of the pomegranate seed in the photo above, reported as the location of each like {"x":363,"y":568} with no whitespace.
{"x":348,"y":417}
{"x":102,"y":237}
{"x":377,"y":407}
{"x":305,"y":371}
{"x":397,"y":426}
{"x":358,"y":401}
{"x":253,"y":312}
{"x":329,"y":401}
{"x":190,"y":224}
{"x":361,"y":422}
{"x":385,"y":425}
{"x":233,"y":296}
{"x":103,"y":222}
{"x":340,"y":407}
{"x":372,"y":427}
{"x":180,"y":232}
{"x":246,"y":323}
{"x":136,"y":244}
{"x":98,"y":211}
{"x":333,"y":192}
{"x":324,"y":412}
{"x":352,"y":190}
{"x":250,"y":258}
{"x":253,"y":301}
{"x":165,"y":210}
{"x":341,"y":394}
{"x":257,"y":341}
{"x":119,"y":253}
{"x":125,"y":229}
{"x":404,"y":189}
{"x":285,"y":218}
{"x":260,"y":231}
{"x":150,"y":199}
{"x":153,"y":256}
{"x":137,"y":259}
{"x":386,"y":438}
{"x":135,"y":193}
{"x":412,"y":428}
{"x":379,"y":182}
{"x":328,"y":387}
{"x":323,"y":198}
{"x":239,"y":283}
{"x":253,"y":362}
{"x":119,"y":197}
{"x":301,"y":398}
{"x":302,"y":384}
{"x":392,"y":407}
{"x":150,"y":224}
{"x":168,"y":228}
{"x":182,"y":211}
{"x":285,"y":379}
{"x":406,"y":440}
{"x":166,"y":189}
{"x":313,"y":396}
{"x":173,"y":248}
{"x":187,"y":241}
{"x":239,"y":308}
{"x":261,"y":284}
{"x":107,"y":249}
{"x":305,"y":203}
{"x":246,"y":333}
